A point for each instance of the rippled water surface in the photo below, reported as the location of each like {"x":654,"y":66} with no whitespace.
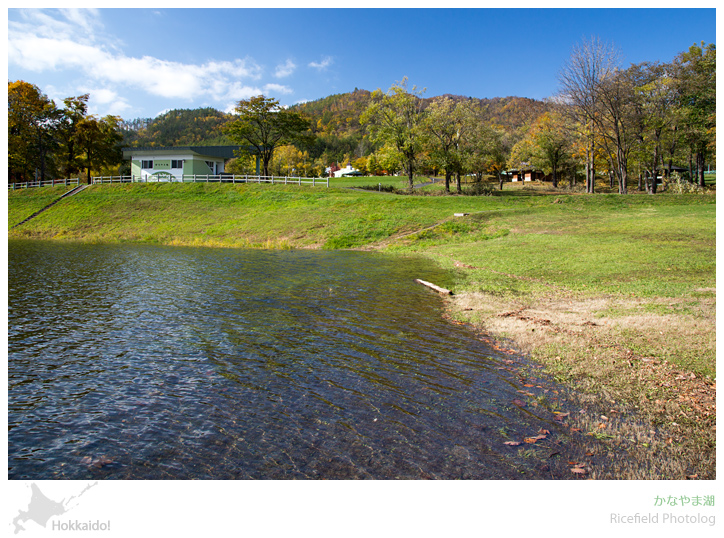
{"x":134,"y":361}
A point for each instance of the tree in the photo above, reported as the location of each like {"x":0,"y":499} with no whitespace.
{"x":33,"y":121}
{"x":521,"y":154}
{"x":290,"y":161}
{"x":373,"y":166}
{"x":262,"y":125}
{"x":697,"y":99}
{"x":616,"y":122}
{"x":547,"y":144}
{"x":488,"y":147}
{"x":241,"y":165}
{"x":448,"y":123}
{"x":388,"y":159}
{"x":75,"y":110}
{"x":591,"y":62}
{"x":98,"y":142}
{"x":654,"y":115}
{"x":396,"y":120}
{"x":361,"y":165}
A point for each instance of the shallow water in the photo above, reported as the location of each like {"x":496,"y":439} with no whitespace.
{"x":146,"y":362}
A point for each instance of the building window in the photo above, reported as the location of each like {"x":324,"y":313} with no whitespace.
{"x":177,"y":164}
{"x":210,"y":164}
{"x":146,"y":164}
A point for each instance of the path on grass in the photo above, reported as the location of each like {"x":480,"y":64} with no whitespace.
{"x":71,"y":192}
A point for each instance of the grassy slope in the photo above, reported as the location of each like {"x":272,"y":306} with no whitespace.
{"x":615,"y":295}
{"x":236,"y":215}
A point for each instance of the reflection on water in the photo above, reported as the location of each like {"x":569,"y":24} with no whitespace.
{"x":133,"y":361}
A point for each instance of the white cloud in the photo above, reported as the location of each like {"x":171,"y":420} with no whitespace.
{"x":285,"y":70}
{"x":324,"y":64}
{"x":103,"y":96}
{"x":277,"y":88}
{"x":83,"y":21}
{"x":38,"y":53}
{"x":71,"y":40}
{"x":238,"y":92}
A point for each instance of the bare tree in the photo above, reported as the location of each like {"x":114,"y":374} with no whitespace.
{"x":591,"y":62}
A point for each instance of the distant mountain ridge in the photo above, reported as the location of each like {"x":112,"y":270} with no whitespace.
{"x":335,"y":120}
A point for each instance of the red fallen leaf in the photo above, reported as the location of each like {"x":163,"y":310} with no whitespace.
{"x":575,"y":429}
{"x":519,"y":403}
{"x":528,"y":385}
{"x":589,"y":454}
{"x":578,"y":470}
{"x":573,"y":463}
{"x":530,"y":440}
{"x":512,"y":443}
{"x":543,"y":432}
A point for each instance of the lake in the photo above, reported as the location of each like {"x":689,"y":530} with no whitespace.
{"x":149,"y":362}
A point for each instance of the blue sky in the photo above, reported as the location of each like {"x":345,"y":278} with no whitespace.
{"x":141,"y":62}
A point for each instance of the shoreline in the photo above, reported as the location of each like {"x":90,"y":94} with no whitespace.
{"x":662,"y":416}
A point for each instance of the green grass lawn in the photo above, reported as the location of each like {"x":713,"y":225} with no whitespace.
{"x":638,"y":245}
{"x":399,"y":182}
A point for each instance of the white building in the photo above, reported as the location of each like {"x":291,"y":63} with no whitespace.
{"x":347,"y":171}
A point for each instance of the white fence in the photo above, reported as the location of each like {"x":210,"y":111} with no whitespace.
{"x":223,"y":178}
{"x":47,"y":183}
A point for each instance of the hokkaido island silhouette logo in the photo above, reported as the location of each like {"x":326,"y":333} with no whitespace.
{"x":41,"y":509}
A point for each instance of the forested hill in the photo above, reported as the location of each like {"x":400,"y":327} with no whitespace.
{"x":339,"y":114}
{"x":197,"y":127}
{"x":335,"y":119}
{"x":512,"y":113}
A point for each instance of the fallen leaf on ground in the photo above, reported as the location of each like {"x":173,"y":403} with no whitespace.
{"x":512,"y":443}
{"x":578,"y":470}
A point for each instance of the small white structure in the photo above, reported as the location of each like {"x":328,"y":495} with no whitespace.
{"x":347,"y":171}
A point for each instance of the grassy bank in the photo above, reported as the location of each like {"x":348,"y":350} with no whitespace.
{"x":237,"y":215}
{"x":615,"y":295}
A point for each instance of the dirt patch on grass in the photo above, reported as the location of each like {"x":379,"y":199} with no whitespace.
{"x":642,"y":381}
